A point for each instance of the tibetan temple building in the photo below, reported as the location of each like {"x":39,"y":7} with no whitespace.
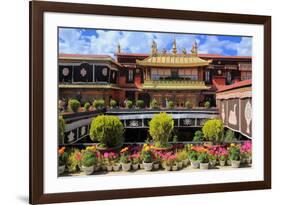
{"x":178,"y":76}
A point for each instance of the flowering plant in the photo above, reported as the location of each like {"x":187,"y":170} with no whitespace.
{"x":62,"y":156}
{"x":169,"y":159}
{"x":125,"y":155}
{"x":74,"y":160}
{"x":222,"y":154}
{"x":88,"y":159}
{"x":246,"y":149}
{"x":135,"y":158}
{"x":234,"y":152}
{"x":146,"y":154}
{"x":108,"y":158}
{"x":193,"y":155}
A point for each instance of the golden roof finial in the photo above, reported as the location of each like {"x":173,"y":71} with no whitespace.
{"x":194,"y":48}
{"x":174,"y":47}
{"x":153,"y":48}
{"x":184,"y":51}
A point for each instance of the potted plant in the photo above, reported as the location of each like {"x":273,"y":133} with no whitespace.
{"x":135,"y":158}
{"x":193,"y":157}
{"x":168,"y":160}
{"x":125,"y":159}
{"x":180,"y":157}
{"x":154,"y":104}
{"x":99,"y":104}
{"x":207,"y":104}
{"x":115,"y":163}
{"x":170,"y":104}
{"x":222,"y":160}
{"x":108,"y":131}
{"x":87,"y":106}
{"x":213,"y":130}
{"x":108,"y":160}
{"x":234,"y":153}
{"x":246,"y":152}
{"x":74,"y":105}
{"x":157,"y":160}
{"x":147,"y":157}
{"x":174,"y":164}
{"x":113,"y":103}
{"x":88,"y":161}
{"x":160,"y":129}
{"x":74,"y":160}
{"x":188,"y":104}
{"x":140,"y":104}
{"x":129,"y":104}
{"x":212,"y":160}
{"x":62,"y":160}
{"x":203,"y":160}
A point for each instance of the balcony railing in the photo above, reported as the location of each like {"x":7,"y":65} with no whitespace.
{"x":174,"y":84}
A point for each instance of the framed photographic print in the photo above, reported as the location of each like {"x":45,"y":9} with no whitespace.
{"x":138,"y":102}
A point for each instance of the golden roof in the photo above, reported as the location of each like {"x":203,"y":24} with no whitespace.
{"x":170,"y":60}
{"x":101,"y":86}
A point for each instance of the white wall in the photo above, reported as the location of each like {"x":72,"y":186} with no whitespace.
{"x":14,"y":100}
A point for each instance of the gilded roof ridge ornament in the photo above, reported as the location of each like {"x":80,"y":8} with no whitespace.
{"x":184,"y":51}
{"x":154,"y":48}
{"x":194,"y":49}
{"x":174,"y":47}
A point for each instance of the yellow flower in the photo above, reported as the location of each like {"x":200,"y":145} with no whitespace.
{"x":124,"y":149}
{"x":147,"y":148}
{"x":91,"y":148}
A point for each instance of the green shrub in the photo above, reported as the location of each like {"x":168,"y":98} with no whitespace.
{"x":113,"y":103}
{"x":129,"y":104}
{"x":73,"y":160}
{"x":188,"y":104}
{"x":140,"y":103}
{"x":99,"y":104}
{"x":198,"y":136}
{"x":74,"y":105}
{"x":61,"y":129}
{"x":213,"y":130}
{"x":88,"y":159}
{"x":234,"y":153}
{"x":160,"y":129}
{"x":87,"y":106}
{"x":170,"y":104}
{"x":108,"y":130}
{"x":207,"y":104}
{"x":154,"y":104}
{"x":193,"y":156}
{"x":229,"y":136}
{"x":203,"y":157}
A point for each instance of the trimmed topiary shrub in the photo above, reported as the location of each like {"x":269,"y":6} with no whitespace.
{"x":74,"y":105}
{"x":113,"y":103}
{"x":108,"y":130}
{"x":229,"y":136}
{"x":170,"y":104}
{"x":140,"y":104}
{"x":188,"y":105}
{"x":213,"y":130}
{"x":160,"y":129}
{"x":129,"y":104}
{"x":207,"y":104}
{"x":154,"y":104}
{"x":198,"y":136}
{"x":87,"y":106}
{"x":99,"y":104}
{"x":61,"y":129}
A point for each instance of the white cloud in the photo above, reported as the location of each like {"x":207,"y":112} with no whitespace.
{"x":105,"y":42}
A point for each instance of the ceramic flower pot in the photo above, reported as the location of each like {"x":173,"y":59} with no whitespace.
{"x":213,"y":162}
{"x":109,"y":168}
{"x":61,"y":169}
{"x":135,"y":166}
{"x":126,"y":166}
{"x":88,"y":170}
{"x":185,"y":162}
{"x":103,"y":167}
{"x":194,"y":164}
{"x":163,"y":165}
{"x":175,"y":167}
{"x":141,"y":165}
{"x":116,"y":167}
{"x":168,"y":167}
{"x":228,"y":162}
{"x":147,"y":166}
{"x":235,"y":164}
{"x":249,"y":160}
{"x":204,"y":165}
{"x":97,"y":168}
{"x":156,"y":166}
{"x":180,"y":165}
{"x":222,"y":163}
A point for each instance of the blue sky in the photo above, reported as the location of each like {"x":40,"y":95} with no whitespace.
{"x":96,"y":41}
